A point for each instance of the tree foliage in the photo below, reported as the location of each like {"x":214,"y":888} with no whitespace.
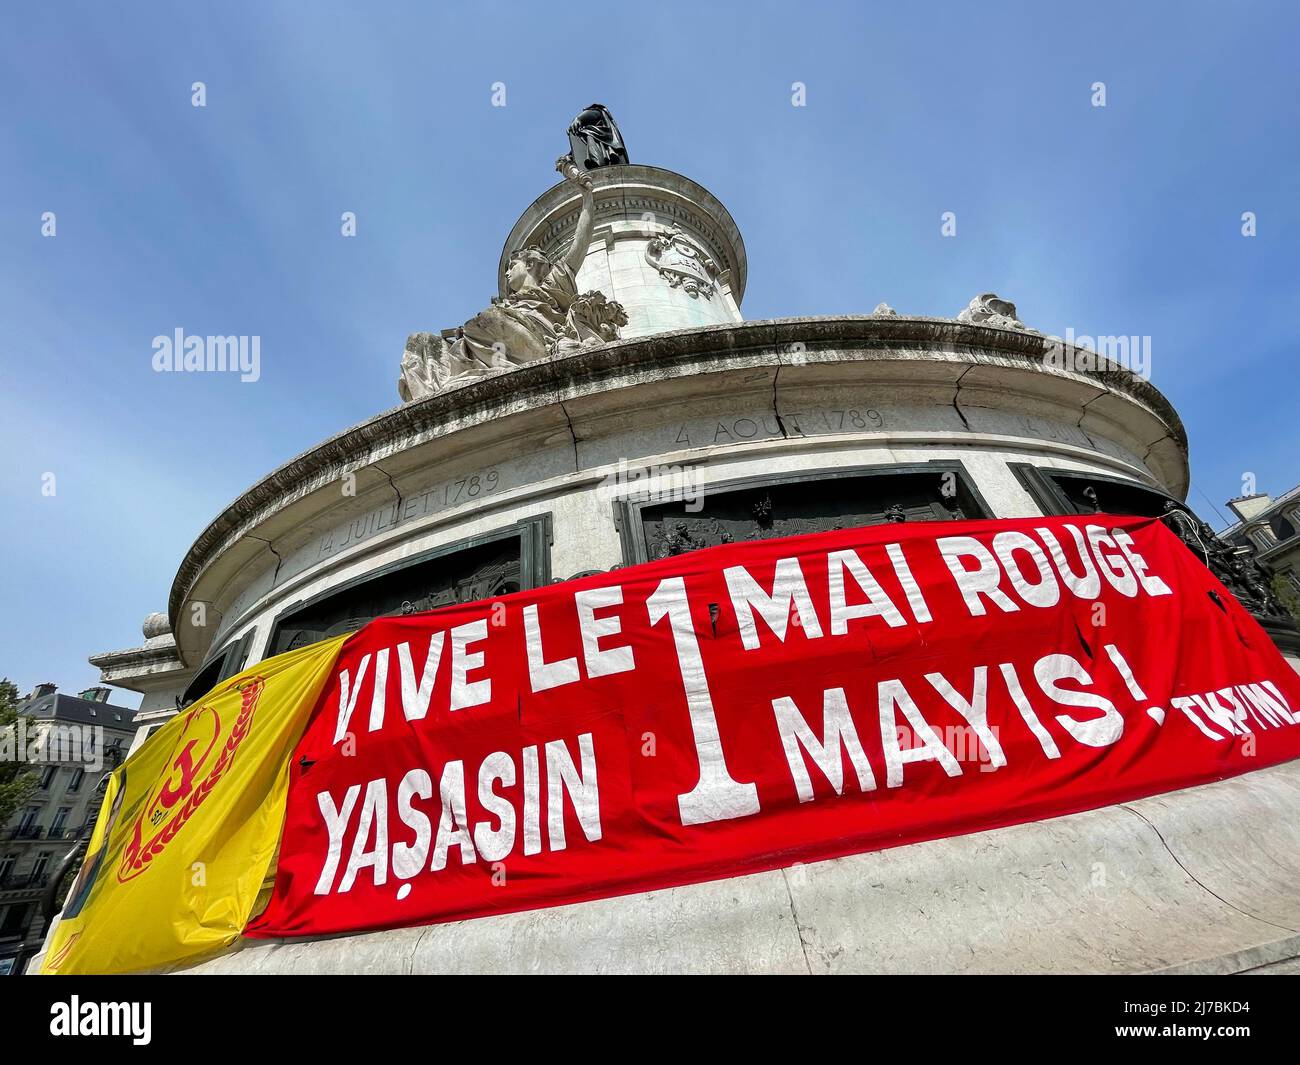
{"x":1287,"y":594}
{"x":17,"y":781}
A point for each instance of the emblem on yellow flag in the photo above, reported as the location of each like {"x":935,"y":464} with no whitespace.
{"x":189,"y":826}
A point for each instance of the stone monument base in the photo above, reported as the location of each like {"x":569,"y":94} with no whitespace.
{"x":1194,"y":881}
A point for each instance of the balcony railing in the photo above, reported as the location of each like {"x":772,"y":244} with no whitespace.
{"x":24,"y":881}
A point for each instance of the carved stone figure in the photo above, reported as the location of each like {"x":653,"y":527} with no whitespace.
{"x":542,"y":314}
{"x":1243,"y":576}
{"x":884,"y":310}
{"x":593,"y":319}
{"x":1260,"y":598}
{"x":1184,"y":526}
{"x":681,"y":263}
{"x":595,"y":139}
{"x":988,"y":309}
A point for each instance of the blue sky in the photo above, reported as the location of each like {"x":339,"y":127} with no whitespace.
{"x":225,"y":220}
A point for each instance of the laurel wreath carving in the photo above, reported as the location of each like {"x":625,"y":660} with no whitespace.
{"x":251,"y":692}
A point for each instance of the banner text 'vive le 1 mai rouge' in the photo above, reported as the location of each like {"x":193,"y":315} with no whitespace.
{"x":754,"y":705}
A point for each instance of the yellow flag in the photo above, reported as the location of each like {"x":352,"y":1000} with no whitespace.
{"x":190,"y":824}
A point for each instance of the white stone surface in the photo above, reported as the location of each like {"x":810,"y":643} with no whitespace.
{"x":1200,"y":880}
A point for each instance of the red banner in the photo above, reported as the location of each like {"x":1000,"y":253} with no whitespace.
{"x":751,"y":706}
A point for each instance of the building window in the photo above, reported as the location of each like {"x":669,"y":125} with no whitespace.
{"x":764,"y":508}
{"x":1262,"y":537}
{"x":6,"y":869}
{"x":47,"y":776}
{"x":78,"y":775}
{"x":15,"y":920}
{"x":482,"y":567}
{"x":39,"y":869}
{"x":60,"y":823}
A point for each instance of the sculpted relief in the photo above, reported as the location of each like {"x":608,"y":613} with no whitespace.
{"x":681,"y":263}
{"x":542,"y":314}
{"x":989,"y":309}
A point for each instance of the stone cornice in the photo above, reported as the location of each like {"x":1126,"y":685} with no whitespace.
{"x":135,"y":656}
{"x":627,"y":363}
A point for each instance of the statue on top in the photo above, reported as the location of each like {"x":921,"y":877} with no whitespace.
{"x":542,"y":313}
{"x":595,"y":140}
